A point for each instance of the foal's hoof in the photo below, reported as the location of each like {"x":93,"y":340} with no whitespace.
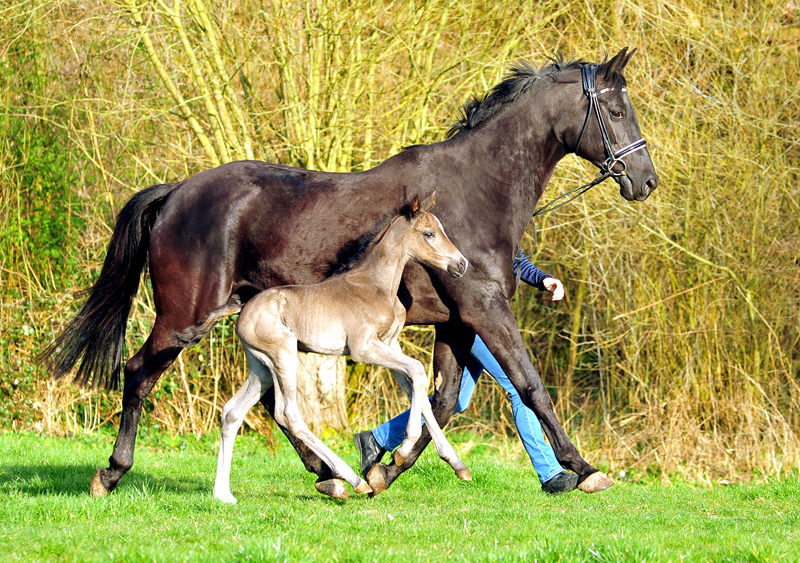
{"x":333,"y":488}
{"x":464,"y":474}
{"x":377,"y":479}
{"x":595,"y":483}
{"x":399,"y":460}
{"x":363,"y":489}
{"x":97,"y":488}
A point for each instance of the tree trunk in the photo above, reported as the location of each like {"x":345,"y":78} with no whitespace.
{"x":321,"y":382}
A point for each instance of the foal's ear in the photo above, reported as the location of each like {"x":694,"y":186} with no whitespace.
{"x":618,"y":62}
{"x":430,"y":202}
{"x":414,"y":206}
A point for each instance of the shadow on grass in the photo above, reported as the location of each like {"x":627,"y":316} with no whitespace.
{"x":73,"y":480}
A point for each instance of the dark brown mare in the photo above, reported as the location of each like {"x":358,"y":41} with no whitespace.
{"x":243,"y":227}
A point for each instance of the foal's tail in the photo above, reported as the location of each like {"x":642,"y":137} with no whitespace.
{"x":98,"y":330}
{"x":195,"y":333}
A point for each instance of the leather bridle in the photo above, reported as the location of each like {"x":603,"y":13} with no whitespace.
{"x":613,"y":159}
{"x":589,"y":79}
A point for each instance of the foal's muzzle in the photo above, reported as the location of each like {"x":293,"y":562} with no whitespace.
{"x":457,"y":268}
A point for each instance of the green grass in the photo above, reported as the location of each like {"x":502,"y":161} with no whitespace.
{"x":164,"y":511}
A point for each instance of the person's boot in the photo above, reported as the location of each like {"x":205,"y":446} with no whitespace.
{"x":371,"y":450}
{"x":563,"y":482}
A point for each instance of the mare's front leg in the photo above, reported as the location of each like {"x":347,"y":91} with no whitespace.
{"x":495,"y":324}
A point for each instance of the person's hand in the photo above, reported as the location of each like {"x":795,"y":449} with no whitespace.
{"x":555,"y":287}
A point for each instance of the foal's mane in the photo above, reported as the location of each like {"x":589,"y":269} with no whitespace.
{"x":353,"y":251}
{"x":520,"y":77}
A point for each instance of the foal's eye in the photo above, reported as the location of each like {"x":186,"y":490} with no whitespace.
{"x":616,"y":114}
{"x":429,"y":234}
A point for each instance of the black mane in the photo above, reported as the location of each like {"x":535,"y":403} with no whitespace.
{"x":520,"y":77}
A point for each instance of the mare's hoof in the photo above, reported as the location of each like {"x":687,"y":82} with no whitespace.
{"x":595,"y":483}
{"x":464,"y":474}
{"x":363,"y":489}
{"x":377,"y":479}
{"x":97,"y":488}
{"x":399,"y":460}
{"x":333,"y":488}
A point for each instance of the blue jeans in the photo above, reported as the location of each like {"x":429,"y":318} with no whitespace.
{"x":390,"y":434}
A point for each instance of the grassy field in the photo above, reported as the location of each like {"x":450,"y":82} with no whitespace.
{"x":164,"y":511}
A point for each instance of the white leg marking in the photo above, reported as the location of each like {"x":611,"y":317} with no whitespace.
{"x":258,"y":382}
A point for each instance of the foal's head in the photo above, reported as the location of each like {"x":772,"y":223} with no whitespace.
{"x":427,"y":241}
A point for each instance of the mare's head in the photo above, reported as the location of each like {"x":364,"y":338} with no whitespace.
{"x":605,"y":130}
{"x":427,"y":241}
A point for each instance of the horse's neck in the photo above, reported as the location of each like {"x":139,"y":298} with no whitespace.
{"x":513,"y":155}
{"x":384,"y":262}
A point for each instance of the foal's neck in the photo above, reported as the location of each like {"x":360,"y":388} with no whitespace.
{"x":384,"y":262}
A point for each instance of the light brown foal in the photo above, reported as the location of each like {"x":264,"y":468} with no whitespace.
{"x":356,"y":313}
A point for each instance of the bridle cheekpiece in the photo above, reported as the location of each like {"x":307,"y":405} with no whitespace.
{"x":589,"y":79}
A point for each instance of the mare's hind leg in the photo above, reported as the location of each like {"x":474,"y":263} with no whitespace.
{"x":258,"y":382}
{"x":141,"y":373}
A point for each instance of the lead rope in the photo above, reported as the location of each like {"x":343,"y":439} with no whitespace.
{"x":553,"y":205}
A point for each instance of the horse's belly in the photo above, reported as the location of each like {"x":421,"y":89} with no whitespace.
{"x":326,"y":348}
{"x":330,"y":340}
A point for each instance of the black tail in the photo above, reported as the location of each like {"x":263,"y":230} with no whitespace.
{"x":98,"y":330}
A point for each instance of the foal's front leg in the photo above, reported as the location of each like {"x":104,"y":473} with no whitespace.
{"x":391,"y":356}
{"x":443,"y":446}
{"x":450,"y":354}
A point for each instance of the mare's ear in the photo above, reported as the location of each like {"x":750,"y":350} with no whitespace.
{"x":618,"y":62}
{"x":414,"y":206}
{"x":430,"y":202}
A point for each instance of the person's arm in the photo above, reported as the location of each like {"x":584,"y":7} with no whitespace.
{"x":532,"y":275}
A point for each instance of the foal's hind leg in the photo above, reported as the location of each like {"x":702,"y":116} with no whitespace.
{"x":311,"y":461}
{"x":287,"y":413}
{"x":258,"y":382}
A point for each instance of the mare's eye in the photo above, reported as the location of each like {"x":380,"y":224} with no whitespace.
{"x":616,"y":114}
{"x":429,"y":234}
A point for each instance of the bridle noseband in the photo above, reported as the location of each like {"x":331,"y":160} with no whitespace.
{"x":589,"y":79}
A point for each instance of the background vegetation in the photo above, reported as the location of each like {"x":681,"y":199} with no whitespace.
{"x":676,"y":351}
